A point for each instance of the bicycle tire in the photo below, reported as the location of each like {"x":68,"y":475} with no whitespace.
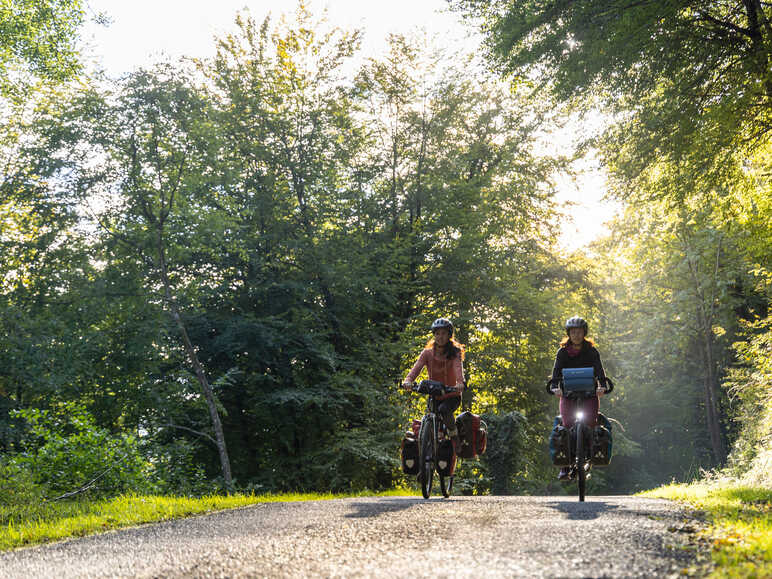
{"x":581,"y":474}
{"x":427,"y":464}
{"x":446,"y":485}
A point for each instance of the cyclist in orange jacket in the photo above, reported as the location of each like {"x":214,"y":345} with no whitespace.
{"x":443,"y":357}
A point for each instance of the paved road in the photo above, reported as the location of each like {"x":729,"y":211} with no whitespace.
{"x":386,"y":537}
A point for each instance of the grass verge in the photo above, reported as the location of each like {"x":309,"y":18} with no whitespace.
{"x":740,"y":525}
{"x":47,"y":522}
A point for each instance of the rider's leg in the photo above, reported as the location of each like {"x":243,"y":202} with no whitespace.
{"x":567,"y":416}
{"x":445,"y":410}
{"x":567,"y":410}
{"x":567,"y":407}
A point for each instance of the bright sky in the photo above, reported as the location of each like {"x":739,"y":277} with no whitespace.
{"x":145,"y":31}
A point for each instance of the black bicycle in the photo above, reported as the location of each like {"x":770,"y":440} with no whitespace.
{"x":433,"y":431}
{"x":581,"y":434}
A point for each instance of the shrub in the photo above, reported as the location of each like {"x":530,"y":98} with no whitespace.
{"x":17,"y":487}
{"x":68,"y":451}
{"x":177,"y":471}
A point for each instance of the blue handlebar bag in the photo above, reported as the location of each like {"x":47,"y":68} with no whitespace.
{"x":575,"y":379}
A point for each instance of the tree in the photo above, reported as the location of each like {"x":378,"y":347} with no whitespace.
{"x":38,"y":39}
{"x":687,"y":86}
{"x":152,"y":137}
{"x":466,"y":211}
{"x":625,"y":52}
{"x":288,"y":232}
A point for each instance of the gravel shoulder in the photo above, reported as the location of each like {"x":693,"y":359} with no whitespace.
{"x":613,"y":536}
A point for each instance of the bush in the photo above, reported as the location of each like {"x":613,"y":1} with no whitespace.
{"x":67,"y":450}
{"x":176,"y":471}
{"x":17,"y":487}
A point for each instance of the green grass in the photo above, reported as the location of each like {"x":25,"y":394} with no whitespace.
{"x":46,"y":522}
{"x":740,"y":525}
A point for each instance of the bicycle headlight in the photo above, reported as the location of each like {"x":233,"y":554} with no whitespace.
{"x":580,"y":415}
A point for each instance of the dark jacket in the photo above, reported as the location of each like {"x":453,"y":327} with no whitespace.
{"x":587,"y":357}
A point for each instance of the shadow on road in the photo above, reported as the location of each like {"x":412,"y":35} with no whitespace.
{"x":382,"y":506}
{"x":582,"y":511}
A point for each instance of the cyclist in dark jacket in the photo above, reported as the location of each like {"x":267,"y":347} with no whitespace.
{"x":577,"y":351}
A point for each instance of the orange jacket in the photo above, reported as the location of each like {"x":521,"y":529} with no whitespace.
{"x":449,"y":372}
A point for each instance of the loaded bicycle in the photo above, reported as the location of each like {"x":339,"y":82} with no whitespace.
{"x":433,"y":435}
{"x":583,"y":443}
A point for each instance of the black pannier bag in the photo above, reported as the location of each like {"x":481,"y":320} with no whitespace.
{"x":559,"y":444}
{"x":601,"y":442}
{"x":446,"y":458}
{"x":409,"y":452}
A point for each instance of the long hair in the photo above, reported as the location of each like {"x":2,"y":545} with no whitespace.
{"x":567,"y":340}
{"x":452,"y":350}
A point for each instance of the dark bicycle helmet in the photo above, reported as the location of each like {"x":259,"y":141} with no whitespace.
{"x":576,"y":322}
{"x":443,"y":323}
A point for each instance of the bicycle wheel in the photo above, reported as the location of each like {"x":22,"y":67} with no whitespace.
{"x":446,"y":485}
{"x":427,"y":457}
{"x":581,"y":474}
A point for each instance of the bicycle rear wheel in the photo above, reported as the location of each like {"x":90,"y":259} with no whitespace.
{"x":581,"y":474}
{"x":427,"y":458}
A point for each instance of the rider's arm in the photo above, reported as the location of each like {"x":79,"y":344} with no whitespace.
{"x":458,"y":371}
{"x":596,"y":363}
{"x":557,"y":372}
{"x":417,"y":367}
{"x":557,"y":368}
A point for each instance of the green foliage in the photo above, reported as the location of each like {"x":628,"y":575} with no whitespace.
{"x":505,"y":456}
{"x":17,"y":486}
{"x":749,"y":383}
{"x":67,"y":451}
{"x":687,"y":148}
{"x":303,"y":227}
{"x":666,"y":66}
{"x":176,"y":470}
{"x":38,"y":38}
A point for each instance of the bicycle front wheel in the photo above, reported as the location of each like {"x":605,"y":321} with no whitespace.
{"x":581,"y":474}
{"x":426,"y":457}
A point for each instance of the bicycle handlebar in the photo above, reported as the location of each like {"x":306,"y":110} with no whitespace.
{"x":608,"y":387}
{"x":433,"y":388}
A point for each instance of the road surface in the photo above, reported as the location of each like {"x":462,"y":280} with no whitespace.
{"x":614,"y":536}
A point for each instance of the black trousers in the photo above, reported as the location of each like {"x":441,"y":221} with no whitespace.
{"x":446,"y":408}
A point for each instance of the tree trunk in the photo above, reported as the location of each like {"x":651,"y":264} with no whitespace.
{"x":711,"y":386}
{"x":705,"y":315}
{"x":206,"y":388}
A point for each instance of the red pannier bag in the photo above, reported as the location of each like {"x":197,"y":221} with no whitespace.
{"x":473,"y":433}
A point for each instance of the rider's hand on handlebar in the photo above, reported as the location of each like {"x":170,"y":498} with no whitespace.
{"x":600,"y":391}
{"x":555,"y":390}
{"x":408,"y":386}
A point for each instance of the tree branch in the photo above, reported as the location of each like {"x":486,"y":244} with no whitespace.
{"x":202,"y":434}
